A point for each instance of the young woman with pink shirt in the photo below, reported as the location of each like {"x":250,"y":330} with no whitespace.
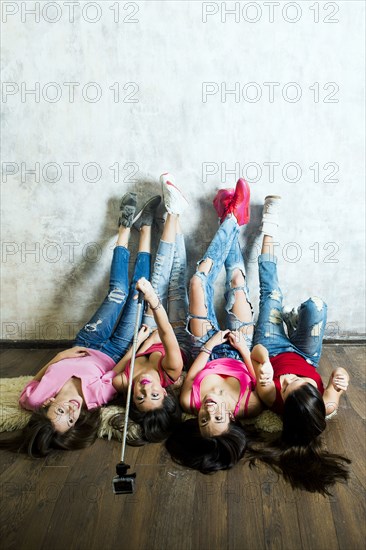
{"x":66,"y":394}
{"x":220,"y":386}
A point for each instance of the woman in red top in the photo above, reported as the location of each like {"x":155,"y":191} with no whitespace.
{"x":288,"y":382}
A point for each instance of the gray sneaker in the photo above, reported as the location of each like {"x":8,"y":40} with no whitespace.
{"x":147,"y":213}
{"x":290,"y":318}
{"x":127,"y":209}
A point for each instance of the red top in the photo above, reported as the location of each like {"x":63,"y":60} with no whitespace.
{"x":165,"y":379}
{"x":291,"y":363}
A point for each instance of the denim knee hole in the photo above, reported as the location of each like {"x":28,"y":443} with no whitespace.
{"x":93,"y":327}
{"x":204,"y":260}
{"x":276,"y":295}
{"x":275,"y":316}
{"x":318,"y":302}
{"x":116,"y":295}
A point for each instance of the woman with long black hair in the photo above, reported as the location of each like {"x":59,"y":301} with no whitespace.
{"x":287,"y":378}
{"x":220,"y":385}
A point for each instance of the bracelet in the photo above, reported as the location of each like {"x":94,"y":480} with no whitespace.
{"x":206,"y":350}
{"x":156,"y":307}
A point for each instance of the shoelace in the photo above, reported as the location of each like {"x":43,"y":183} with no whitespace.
{"x":128,"y":213}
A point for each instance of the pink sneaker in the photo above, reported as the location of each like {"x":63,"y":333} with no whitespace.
{"x":228,"y":201}
{"x":240,"y":206}
{"x":222,"y":201}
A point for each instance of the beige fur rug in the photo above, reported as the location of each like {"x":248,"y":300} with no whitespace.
{"x":13,"y":417}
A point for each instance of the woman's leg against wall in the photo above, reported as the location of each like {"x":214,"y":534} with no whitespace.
{"x":101,"y":325}
{"x":309,"y":332}
{"x":202,"y":321}
{"x":269,"y":329}
{"x":177,"y":293}
{"x":119,"y":342}
{"x":239,"y":310}
{"x":163,"y":266}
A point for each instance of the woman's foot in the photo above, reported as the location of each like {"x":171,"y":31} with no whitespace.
{"x":270,"y":218}
{"x":127,"y":209}
{"x":174,"y":200}
{"x":236,"y":202}
{"x":147,"y":213}
{"x":222,"y":202}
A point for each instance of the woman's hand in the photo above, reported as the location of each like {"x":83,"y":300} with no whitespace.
{"x":217,"y":339}
{"x":143,"y":334}
{"x":73,"y":353}
{"x":340,"y":379}
{"x":265,"y":374}
{"x":144,"y":286}
{"x":237,"y":340}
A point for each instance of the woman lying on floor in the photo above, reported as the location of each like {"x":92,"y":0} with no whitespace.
{"x":160,"y":358}
{"x":66,"y":394}
{"x":220,"y":385}
{"x":288,"y":381}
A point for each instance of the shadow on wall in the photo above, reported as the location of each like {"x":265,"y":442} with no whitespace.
{"x":82,"y":274}
{"x":81,"y":277}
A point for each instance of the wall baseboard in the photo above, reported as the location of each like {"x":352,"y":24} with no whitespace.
{"x":51,"y":344}
{"x":35,"y":344}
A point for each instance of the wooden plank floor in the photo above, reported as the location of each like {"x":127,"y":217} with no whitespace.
{"x":66,"y":501}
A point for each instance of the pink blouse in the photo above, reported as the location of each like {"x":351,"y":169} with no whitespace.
{"x":94,"y":371}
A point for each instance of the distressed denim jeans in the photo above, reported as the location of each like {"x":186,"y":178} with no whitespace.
{"x":111,"y":328}
{"x":224,"y":250}
{"x":307,"y":339}
{"x":169,"y":282}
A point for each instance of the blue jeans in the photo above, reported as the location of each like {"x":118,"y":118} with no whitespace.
{"x":224,"y":250}
{"x":111,"y":328}
{"x":169,"y":282}
{"x":307,"y":339}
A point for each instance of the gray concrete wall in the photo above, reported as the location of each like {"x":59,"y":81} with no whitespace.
{"x":271,"y":92}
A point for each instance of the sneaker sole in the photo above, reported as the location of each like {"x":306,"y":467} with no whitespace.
{"x":246,"y":218}
{"x":175,"y":187}
{"x":126,"y":195}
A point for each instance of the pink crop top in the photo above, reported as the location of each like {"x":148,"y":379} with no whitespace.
{"x":224,"y":367}
{"x":165,"y":379}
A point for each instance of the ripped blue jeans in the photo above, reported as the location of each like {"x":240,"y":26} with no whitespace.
{"x":111,"y":328}
{"x":169,"y":282}
{"x":224,"y":250}
{"x":306,"y":340}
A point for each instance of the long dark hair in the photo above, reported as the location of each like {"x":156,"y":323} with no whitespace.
{"x":39,"y":437}
{"x":298,"y":452}
{"x":303,"y":416}
{"x":189,"y":448}
{"x":156,"y":424}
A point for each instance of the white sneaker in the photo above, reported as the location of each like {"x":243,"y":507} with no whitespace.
{"x":270,"y":218}
{"x":290,"y":316}
{"x":174,"y":200}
